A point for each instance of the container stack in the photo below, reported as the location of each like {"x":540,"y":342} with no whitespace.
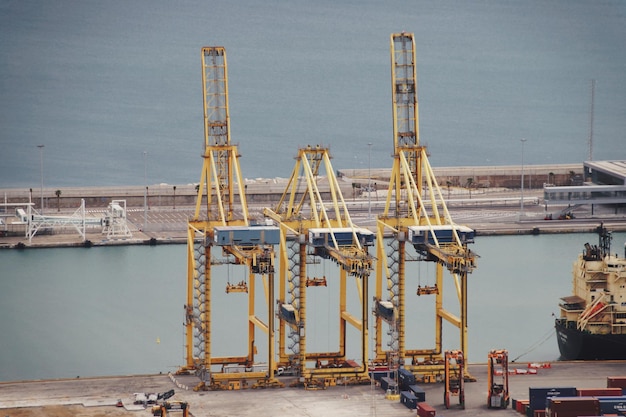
{"x":573,"y":402}
{"x":572,"y":406}
{"x":410,"y":394}
{"x":538,"y":397}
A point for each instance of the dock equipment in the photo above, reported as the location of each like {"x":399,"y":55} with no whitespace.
{"x":217,"y":226}
{"x":415,"y":214}
{"x":114,"y":223}
{"x":166,"y":407}
{"x":454,"y":380}
{"x":308,"y":230}
{"x":78,"y":221}
{"x":498,"y":379}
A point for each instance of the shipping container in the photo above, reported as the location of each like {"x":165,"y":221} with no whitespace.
{"x":425,"y":410}
{"x":408,"y":399}
{"x":387,"y":383}
{"x":539,"y":413}
{"x":613,"y":405}
{"x":572,"y":406}
{"x":418,"y":392}
{"x":599,"y":392}
{"x":378,"y":375}
{"x":521,"y":406}
{"x":538,"y":395}
{"x":405,"y":379}
{"x":616,"y":382}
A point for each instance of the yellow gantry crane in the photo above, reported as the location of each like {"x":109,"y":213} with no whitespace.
{"x":416,"y":215}
{"x":216,"y":225}
{"x":313,"y":227}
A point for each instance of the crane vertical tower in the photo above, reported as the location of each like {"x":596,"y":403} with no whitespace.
{"x":215,"y":225}
{"x":308,"y":229}
{"x":432,"y":233}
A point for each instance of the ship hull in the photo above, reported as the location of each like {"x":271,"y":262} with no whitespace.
{"x":577,"y":345}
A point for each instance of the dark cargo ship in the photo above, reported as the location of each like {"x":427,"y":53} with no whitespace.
{"x":592,"y":323}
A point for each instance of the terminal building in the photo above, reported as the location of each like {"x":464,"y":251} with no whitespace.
{"x":604,"y":183}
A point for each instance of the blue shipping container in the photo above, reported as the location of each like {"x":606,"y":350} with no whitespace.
{"x":405,"y":379}
{"x":419,"y":393}
{"x":612,"y":405}
{"x":539,"y":396}
{"x":388,"y":383}
{"x":408,"y":399}
{"x":378,"y":375}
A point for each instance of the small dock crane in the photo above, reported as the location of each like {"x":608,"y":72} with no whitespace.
{"x":453,"y":377}
{"x":498,"y":379}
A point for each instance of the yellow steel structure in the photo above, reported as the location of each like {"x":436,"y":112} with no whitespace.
{"x":220,"y":191}
{"x":301,"y":215}
{"x":406,"y":207}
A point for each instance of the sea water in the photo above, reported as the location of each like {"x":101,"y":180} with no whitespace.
{"x":99,"y":84}
{"x":70,"y":312}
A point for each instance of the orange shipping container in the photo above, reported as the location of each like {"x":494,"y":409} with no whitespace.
{"x":599,"y":392}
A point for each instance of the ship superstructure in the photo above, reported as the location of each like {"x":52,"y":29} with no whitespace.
{"x":592,"y":323}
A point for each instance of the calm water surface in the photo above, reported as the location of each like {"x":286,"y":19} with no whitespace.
{"x":99,"y":83}
{"x":119,"y":310}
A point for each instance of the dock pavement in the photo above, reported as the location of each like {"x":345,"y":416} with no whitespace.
{"x":98,"y":396}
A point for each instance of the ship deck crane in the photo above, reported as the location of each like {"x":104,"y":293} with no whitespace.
{"x":308,"y":229}
{"x":433,"y":234}
{"x":216,"y":225}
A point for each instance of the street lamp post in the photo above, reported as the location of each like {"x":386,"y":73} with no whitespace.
{"x":522,"y":185}
{"x":145,"y":193}
{"x":369,"y":182}
{"x":41,"y":170}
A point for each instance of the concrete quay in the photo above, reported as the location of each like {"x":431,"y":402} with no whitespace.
{"x":159,"y":214}
{"x":489,"y":211}
{"x":98,"y":396}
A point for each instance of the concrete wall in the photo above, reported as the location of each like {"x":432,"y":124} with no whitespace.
{"x":535,"y":176}
{"x":267,"y":191}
